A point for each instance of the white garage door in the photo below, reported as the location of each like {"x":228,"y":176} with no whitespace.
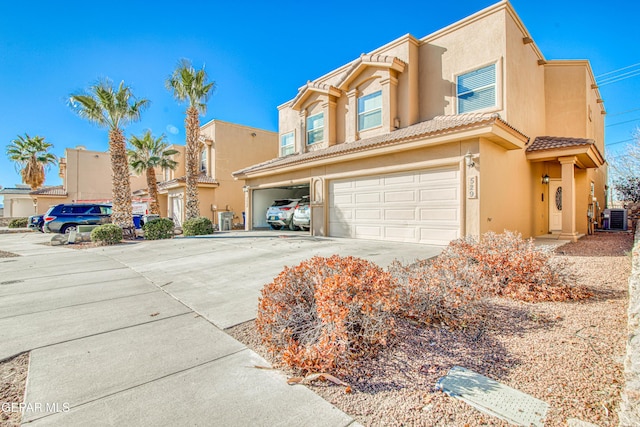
{"x":417,"y":206}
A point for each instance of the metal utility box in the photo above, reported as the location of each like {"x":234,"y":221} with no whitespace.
{"x":225,"y":221}
{"x":615,"y":219}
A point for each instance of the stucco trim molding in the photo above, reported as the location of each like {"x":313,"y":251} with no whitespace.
{"x":440,"y":130}
{"x":313,"y":87}
{"x":365,"y":61}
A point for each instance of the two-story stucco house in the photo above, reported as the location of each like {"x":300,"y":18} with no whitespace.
{"x":466,"y":130}
{"x":225,"y":148}
{"x":86,"y":175}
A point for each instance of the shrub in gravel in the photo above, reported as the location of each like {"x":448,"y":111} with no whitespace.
{"x":106,"y":234}
{"x":450,"y":288}
{"x":197,"y":226}
{"x":159,"y":228}
{"x":327,"y":312}
{"x":444,"y":290}
{"x":18,"y":223}
{"x":513,"y":267}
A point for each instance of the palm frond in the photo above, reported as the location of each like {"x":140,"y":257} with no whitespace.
{"x":191,"y":85}
{"x":31,"y":157}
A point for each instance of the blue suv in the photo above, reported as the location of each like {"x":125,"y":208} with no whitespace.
{"x":65,"y":218}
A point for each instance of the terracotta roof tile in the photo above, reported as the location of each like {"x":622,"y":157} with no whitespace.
{"x":202,"y":179}
{"x":57,"y":190}
{"x":15,"y":190}
{"x":439,"y":125}
{"x":554,"y":142}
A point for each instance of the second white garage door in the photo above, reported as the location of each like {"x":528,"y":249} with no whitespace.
{"x":417,"y":206}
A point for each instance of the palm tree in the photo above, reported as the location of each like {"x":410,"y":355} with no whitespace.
{"x":147,"y":154}
{"x":192,"y":86}
{"x":31,"y":157}
{"x":113,"y":109}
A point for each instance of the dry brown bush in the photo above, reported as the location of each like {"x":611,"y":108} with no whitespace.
{"x":326,"y":312}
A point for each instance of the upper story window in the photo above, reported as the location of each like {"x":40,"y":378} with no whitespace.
{"x":315,"y":128}
{"x":476,"y":90}
{"x":287,"y":144}
{"x":167,"y":174}
{"x":370,"y":111}
{"x":203,"y":161}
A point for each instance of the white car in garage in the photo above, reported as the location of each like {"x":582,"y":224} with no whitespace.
{"x":280,"y":213}
{"x":301,"y":215}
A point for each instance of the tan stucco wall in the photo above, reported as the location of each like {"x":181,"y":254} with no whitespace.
{"x":88,"y":175}
{"x":566,"y":100}
{"x":368,"y":80}
{"x":234,"y":147}
{"x":506,"y":192}
{"x":18,"y":205}
{"x":524,"y":80}
{"x":536,"y":96}
{"x":455,"y":50}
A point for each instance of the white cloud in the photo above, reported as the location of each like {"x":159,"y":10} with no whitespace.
{"x":172,"y":129}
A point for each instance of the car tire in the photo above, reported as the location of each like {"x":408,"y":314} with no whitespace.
{"x":275,"y":226}
{"x":292,"y":226}
{"x":68,"y":228}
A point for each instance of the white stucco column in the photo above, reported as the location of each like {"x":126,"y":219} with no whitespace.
{"x":568,"y":199}
{"x":351,"y":119}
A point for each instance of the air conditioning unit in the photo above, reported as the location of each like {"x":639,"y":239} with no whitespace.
{"x":615,"y":219}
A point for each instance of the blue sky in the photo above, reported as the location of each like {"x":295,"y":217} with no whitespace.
{"x":258,"y":55}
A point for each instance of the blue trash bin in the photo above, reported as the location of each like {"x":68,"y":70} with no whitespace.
{"x":136,"y":221}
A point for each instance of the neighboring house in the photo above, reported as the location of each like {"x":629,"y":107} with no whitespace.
{"x":17,"y":202}
{"x":467,"y":130}
{"x":86,"y":176}
{"x":226,"y":147}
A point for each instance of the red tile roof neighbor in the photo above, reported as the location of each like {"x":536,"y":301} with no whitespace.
{"x":440,"y":125}
{"x":554,"y":142}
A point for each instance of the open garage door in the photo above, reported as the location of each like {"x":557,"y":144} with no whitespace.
{"x":417,"y":206}
{"x":263,"y":198}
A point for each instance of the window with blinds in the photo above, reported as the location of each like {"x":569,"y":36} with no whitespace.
{"x":370,"y":111}
{"x":287,"y":144}
{"x":477,"y":90}
{"x":315,"y":128}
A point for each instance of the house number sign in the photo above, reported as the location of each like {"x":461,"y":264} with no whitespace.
{"x":472,"y":187}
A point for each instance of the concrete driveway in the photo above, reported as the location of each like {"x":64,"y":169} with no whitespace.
{"x":133,"y":334}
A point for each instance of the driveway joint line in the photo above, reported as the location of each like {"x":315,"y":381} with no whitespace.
{"x":149,"y":381}
{"x":68,"y":287}
{"x":67,"y":274}
{"x":81,"y":304}
{"x":108,"y":332}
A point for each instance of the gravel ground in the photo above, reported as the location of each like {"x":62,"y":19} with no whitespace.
{"x":13,"y":376}
{"x":569,"y":354}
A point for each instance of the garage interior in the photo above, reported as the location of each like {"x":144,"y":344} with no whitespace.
{"x":263,"y":198}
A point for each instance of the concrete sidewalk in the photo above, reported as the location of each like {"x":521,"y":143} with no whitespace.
{"x":133,"y":334}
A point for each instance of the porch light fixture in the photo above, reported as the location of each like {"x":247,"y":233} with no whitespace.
{"x":468,"y":159}
{"x":545,"y":179}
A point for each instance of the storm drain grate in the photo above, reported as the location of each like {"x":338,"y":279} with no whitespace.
{"x":493,"y":398}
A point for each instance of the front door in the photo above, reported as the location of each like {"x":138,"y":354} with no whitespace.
{"x":176,"y":210}
{"x":555,"y":206}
